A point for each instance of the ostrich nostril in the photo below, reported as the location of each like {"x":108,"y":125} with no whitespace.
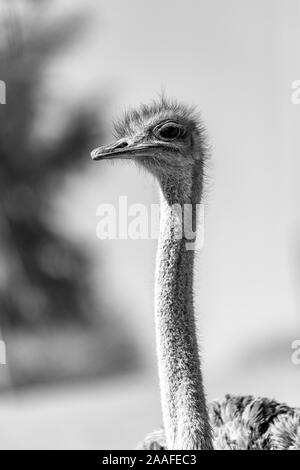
{"x":121,"y":145}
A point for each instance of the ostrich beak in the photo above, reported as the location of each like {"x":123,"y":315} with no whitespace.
{"x":123,"y":148}
{"x":118,"y":149}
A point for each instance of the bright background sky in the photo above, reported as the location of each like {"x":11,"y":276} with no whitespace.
{"x":235,"y":60}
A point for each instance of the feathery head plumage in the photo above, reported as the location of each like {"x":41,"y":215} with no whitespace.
{"x":165,"y":137}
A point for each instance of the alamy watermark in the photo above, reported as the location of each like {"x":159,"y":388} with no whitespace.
{"x":2,"y":92}
{"x":2,"y":353}
{"x":295,"y":96}
{"x":295,"y":357}
{"x":140,"y":222}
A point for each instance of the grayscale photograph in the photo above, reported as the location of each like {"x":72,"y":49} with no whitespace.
{"x":149,"y":228}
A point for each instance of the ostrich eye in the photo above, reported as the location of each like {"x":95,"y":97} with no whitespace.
{"x":170,"y":131}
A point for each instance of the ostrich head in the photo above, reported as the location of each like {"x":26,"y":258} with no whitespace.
{"x":165,"y":138}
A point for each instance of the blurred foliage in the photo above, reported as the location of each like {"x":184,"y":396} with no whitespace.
{"x":42,"y":275}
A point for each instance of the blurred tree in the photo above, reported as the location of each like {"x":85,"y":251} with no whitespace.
{"x":42,"y":275}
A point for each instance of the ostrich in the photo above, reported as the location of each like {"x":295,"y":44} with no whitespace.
{"x":167,"y":139}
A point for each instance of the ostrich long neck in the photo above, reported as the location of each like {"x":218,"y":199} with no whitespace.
{"x":183,"y":400}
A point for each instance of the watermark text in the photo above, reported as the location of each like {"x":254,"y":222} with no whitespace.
{"x":295,"y":97}
{"x":295,"y":357}
{"x":2,"y":92}
{"x":2,"y":353}
{"x":140,"y":222}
